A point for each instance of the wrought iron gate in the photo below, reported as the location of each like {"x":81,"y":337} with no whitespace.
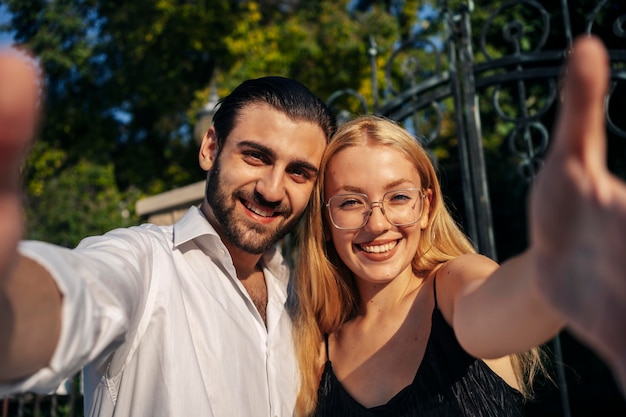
{"x":511,"y":64}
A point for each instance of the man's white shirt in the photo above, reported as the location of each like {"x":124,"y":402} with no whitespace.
{"x":165,"y":328}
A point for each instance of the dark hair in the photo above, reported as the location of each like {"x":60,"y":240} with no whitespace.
{"x":284,"y":94}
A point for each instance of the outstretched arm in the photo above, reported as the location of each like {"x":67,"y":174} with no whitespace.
{"x":30,"y":303}
{"x":578,"y":215}
{"x":574,"y":271}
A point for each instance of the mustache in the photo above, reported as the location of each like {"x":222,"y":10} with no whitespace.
{"x":258,"y":199}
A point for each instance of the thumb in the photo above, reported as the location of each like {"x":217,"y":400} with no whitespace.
{"x":20,"y":90}
{"x":580,"y":129}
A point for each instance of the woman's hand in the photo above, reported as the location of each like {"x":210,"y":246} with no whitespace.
{"x":578,"y":214}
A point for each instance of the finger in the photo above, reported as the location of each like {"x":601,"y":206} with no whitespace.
{"x":580,"y":129}
{"x":19,"y":108}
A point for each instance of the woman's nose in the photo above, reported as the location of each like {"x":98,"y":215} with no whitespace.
{"x":377,"y":221}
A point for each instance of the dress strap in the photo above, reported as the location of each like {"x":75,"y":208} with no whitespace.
{"x":326,"y":344}
{"x":435,"y":289}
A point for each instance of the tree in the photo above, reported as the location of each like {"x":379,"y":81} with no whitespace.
{"x":124,"y":82}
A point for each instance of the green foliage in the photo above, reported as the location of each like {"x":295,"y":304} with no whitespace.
{"x":124,"y":82}
{"x":305,"y":44}
{"x":81,"y":200}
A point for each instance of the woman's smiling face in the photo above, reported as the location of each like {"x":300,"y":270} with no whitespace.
{"x":379,"y":251}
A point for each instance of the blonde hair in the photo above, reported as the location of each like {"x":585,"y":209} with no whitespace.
{"x":325,"y":288}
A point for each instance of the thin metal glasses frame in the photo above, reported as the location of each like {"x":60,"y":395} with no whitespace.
{"x":372,"y":204}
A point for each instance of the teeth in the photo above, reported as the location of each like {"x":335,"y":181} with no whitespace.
{"x":259,"y":211}
{"x":378,"y":248}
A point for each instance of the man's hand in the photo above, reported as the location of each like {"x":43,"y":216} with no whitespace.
{"x":578,"y":214}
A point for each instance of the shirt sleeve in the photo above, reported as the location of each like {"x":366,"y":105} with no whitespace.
{"x":104,"y":286}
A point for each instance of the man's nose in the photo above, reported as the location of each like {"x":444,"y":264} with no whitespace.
{"x":272,"y":186}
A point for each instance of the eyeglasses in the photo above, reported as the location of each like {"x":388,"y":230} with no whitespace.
{"x":352,"y":211}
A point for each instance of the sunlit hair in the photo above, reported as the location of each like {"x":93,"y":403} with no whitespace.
{"x":325,"y":287}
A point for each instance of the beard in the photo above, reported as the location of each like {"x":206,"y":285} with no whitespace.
{"x":248,"y":236}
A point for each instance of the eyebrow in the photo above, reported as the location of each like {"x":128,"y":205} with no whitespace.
{"x":390,"y":187}
{"x":304,"y":164}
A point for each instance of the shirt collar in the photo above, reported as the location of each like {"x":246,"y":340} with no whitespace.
{"x":194,"y":224}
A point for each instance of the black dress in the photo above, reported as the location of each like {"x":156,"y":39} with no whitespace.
{"x":448,"y":383}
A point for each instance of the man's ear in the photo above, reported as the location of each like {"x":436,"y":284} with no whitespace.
{"x":208,"y":149}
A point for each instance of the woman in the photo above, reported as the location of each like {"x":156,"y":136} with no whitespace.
{"x":382,"y":278}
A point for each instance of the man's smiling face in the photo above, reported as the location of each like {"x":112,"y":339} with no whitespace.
{"x":261,"y":180}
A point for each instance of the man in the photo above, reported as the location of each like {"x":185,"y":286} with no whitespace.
{"x":168,"y":321}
